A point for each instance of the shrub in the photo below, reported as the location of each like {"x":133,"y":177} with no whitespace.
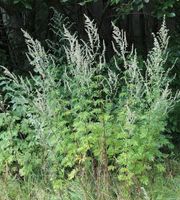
{"x":87,"y":117}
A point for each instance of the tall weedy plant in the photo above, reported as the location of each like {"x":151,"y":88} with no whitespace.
{"x":90,"y":118}
{"x":120,"y":125}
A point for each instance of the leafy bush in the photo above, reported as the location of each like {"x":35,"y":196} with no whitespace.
{"x":87,"y":117}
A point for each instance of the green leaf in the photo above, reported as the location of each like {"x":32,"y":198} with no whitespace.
{"x":72,"y":174}
{"x":16,"y":1}
{"x":28,"y":6}
{"x":171,"y":14}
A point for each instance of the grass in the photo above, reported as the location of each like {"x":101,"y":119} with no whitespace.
{"x":166,"y":188}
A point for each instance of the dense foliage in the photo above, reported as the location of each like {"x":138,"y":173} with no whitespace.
{"x":86,"y":117}
{"x":88,"y":111}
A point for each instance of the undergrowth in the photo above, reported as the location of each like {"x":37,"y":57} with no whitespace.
{"x":87,"y":129}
